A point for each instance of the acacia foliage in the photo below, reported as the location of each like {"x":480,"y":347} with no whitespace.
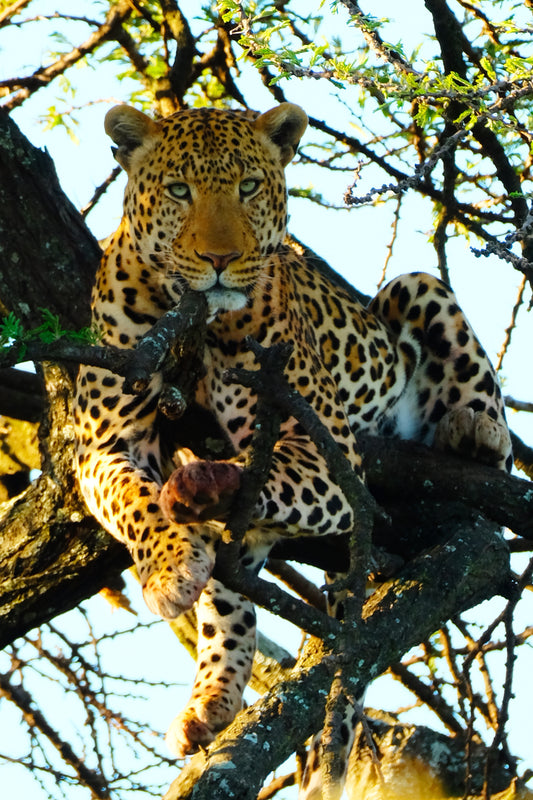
{"x":437,"y":110}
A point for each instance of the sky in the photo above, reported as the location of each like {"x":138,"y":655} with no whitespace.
{"x":354,"y":242}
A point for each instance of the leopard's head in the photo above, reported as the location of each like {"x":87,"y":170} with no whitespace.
{"x":206,"y":197}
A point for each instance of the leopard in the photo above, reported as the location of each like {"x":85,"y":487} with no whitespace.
{"x":205,"y":209}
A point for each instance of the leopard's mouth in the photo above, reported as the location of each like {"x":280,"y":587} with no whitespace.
{"x":219,"y":298}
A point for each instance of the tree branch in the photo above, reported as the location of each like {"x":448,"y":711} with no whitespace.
{"x":36,"y":719}
{"x":44,"y":75}
{"x":52,"y":553}
{"x":21,"y":395}
{"x":399,"y":615}
{"x":406,"y":468}
{"x":44,"y":546}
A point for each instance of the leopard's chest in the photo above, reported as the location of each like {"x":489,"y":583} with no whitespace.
{"x":233,"y":405}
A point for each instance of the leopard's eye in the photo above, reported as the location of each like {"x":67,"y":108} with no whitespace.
{"x":249,"y":186}
{"x":179,"y":190}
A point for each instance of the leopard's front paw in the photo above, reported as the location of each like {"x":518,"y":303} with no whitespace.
{"x":198,"y":725}
{"x":187,"y":734}
{"x":474,"y":434}
{"x":200,"y":490}
{"x":177,"y":584}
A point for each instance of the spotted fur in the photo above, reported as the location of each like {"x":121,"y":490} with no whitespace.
{"x":205,"y":207}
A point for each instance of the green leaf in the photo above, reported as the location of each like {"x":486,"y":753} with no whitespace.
{"x":11,"y":330}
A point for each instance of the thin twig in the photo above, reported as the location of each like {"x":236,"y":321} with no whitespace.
{"x":276,"y":785}
{"x":99,"y":191}
{"x":36,"y":720}
{"x":44,"y":75}
{"x":510,"y":328}
{"x":428,"y":697}
{"x":503,"y":714}
{"x":518,"y":405}
{"x":390,"y":246}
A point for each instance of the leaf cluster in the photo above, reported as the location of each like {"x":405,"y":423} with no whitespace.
{"x":13,"y":333}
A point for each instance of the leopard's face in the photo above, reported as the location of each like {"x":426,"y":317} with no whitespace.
{"x":206,"y":196}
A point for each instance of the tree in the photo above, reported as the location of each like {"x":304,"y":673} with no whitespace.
{"x":449,"y":126}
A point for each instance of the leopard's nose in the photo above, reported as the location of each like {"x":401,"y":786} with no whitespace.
{"x":219,"y":260}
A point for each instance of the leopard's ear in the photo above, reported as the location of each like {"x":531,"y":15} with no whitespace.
{"x":129,"y":129}
{"x":284,"y":126}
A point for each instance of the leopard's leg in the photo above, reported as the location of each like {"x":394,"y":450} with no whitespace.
{"x":225,"y":652}
{"x":298,"y":498}
{"x":226,"y":646}
{"x":119,"y":471}
{"x":452,"y":394}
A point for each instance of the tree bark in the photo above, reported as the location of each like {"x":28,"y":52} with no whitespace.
{"x":417,"y":762}
{"x":403,"y":612}
{"x":48,"y":257}
{"x":52,"y":553}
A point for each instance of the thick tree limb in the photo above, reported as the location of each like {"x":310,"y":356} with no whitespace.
{"x":21,"y":395}
{"x":503,"y":498}
{"x":44,"y":545}
{"x":55,"y":266}
{"x":52,"y":554}
{"x":180,"y":75}
{"x":399,"y":615}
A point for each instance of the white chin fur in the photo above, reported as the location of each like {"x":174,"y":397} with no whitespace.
{"x":224,"y":300}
